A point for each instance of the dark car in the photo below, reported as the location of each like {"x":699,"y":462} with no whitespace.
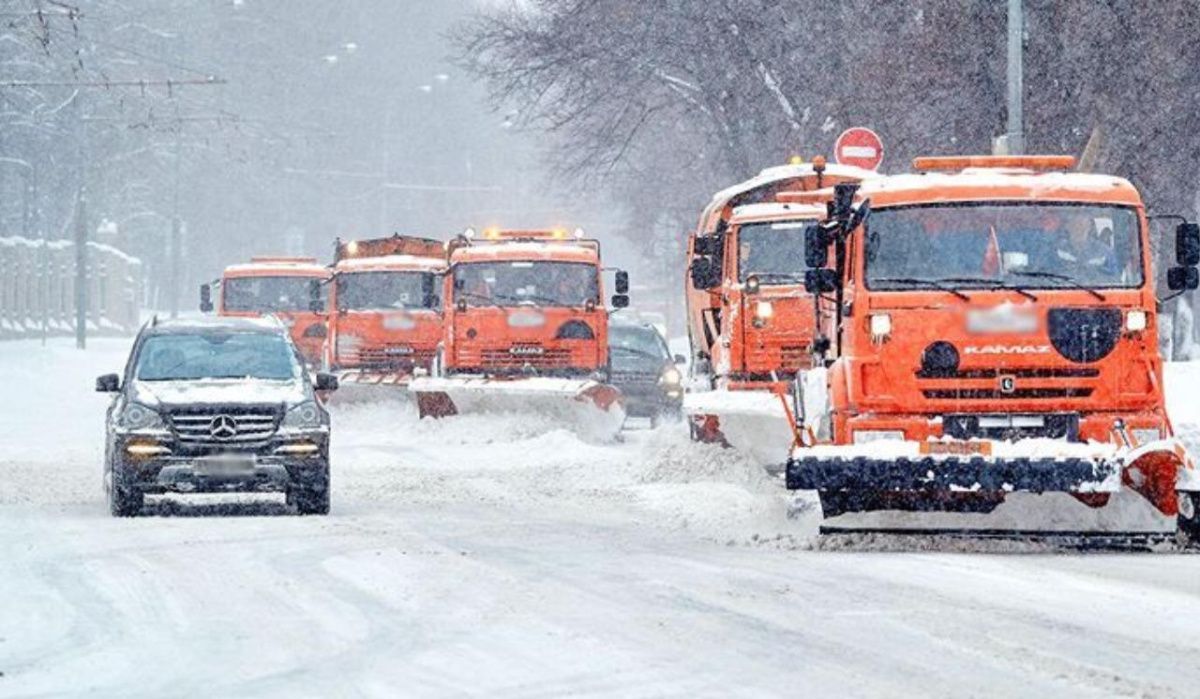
{"x":216,"y":405}
{"x":642,"y":367}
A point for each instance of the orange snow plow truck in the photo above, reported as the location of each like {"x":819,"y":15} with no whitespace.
{"x":384,"y":309}
{"x":750,"y":321}
{"x":988,"y":358}
{"x":526,"y":331}
{"x":277,"y":286}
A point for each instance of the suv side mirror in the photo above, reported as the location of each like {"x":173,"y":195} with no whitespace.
{"x":620,"y":301}
{"x":326,"y":382}
{"x":622,"y":284}
{"x":816,"y":247}
{"x":1183,"y":278}
{"x":109,"y":383}
{"x":706,"y":274}
{"x":1187,"y":244}
{"x":206,"y":304}
{"x":820,"y":281}
{"x":315,"y":303}
{"x":679,"y":359}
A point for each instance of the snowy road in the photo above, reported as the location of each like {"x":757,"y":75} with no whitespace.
{"x":460,"y":559}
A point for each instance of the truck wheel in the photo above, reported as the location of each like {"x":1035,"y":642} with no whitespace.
{"x":1187,"y":522}
{"x":125,"y":502}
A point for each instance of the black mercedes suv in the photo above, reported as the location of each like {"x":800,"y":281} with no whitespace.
{"x":212,"y":406}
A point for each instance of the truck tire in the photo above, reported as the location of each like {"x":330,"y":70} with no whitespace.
{"x":1187,"y":522}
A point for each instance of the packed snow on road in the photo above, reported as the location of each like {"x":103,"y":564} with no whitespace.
{"x":493,"y":556}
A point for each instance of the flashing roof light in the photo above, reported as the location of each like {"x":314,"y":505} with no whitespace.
{"x":352,"y":248}
{"x":469,"y":233}
{"x":1040,"y":163}
{"x":795,"y":160}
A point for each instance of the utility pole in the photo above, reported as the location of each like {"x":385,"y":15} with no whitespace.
{"x":1015,"y":136}
{"x":176,"y":231}
{"x":81,"y":226}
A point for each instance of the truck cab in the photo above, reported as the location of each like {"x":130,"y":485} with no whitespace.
{"x":527,"y":303}
{"x":278,"y":286}
{"x":385,"y":312}
{"x":991,"y":327}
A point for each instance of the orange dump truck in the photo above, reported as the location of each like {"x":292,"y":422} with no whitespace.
{"x":526,"y":331}
{"x":384,"y":308}
{"x":750,"y":321}
{"x":277,"y":286}
{"x":988,"y":358}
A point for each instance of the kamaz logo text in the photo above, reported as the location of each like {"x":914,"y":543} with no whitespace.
{"x":526,"y":350}
{"x":1007,"y":349}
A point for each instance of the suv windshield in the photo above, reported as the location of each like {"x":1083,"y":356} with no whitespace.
{"x":265,"y":294}
{"x":217,"y":355}
{"x":520,"y":282}
{"x":773,"y":251}
{"x":978,"y":245}
{"x":383,"y":291}
{"x":635,"y":345}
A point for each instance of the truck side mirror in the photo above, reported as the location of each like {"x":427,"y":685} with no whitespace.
{"x":109,"y":383}
{"x":620,"y":301}
{"x":1183,"y":278}
{"x":707,"y":245}
{"x":705,"y":273}
{"x":622,"y":285}
{"x":820,"y":281}
{"x":315,"y":303}
{"x":1187,"y":244}
{"x":816,"y":247}
{"x":206,"y":304}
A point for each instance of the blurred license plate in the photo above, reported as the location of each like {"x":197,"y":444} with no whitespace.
{"x":225,"y":466}
{"x":957,"y":448}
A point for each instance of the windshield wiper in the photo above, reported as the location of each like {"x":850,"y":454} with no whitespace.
{"x":993,"y":283}
{"x":1039,"y":274}
{"x":778,"y":276}
{"x":930,"y":283}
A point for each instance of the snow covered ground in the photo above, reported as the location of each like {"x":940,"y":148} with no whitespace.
{"x":495,"y":557}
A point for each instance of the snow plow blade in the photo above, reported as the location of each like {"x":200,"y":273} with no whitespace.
{"x":752,"y":422}
{"x":589,"y":408}
{"x":359,"y":386}
{"x":1026,"y":490}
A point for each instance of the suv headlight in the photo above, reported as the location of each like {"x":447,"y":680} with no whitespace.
{"x":136,"y":416}
{"x":671,"y":376}
{"x":303,"y":415}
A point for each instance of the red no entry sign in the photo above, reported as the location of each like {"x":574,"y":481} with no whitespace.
{"x":859,"y":147}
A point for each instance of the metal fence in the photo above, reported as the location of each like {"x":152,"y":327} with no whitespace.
{"x":37,"y":289}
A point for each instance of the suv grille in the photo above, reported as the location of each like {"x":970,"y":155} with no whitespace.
{"x":217,"y":428}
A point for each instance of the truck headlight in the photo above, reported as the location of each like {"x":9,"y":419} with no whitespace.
{"x":671,"y":376}
{"x":867,"y":436}
{"x":136,"y":416}
{"x":303,"y":415}
{"x":764,"y":310}
{"x":1135,"y":321}
{"x":881,"y":326}
{"x":1145,"y":435}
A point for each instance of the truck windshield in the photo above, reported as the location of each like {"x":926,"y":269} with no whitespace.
{"x":774,"y":252}
{"x":520,"y":282}
{"x":265,"y":294}
{"x":976,"y":245}
{"x":384,"y":291}
{"x":216,"y":355}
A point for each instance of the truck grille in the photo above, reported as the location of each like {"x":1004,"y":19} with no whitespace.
{"x":216,"y":428}
{"x":997,"y":394}
{"x":795,"y":357}
{"x":397,"y":356}
{"x":526,"y":355}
